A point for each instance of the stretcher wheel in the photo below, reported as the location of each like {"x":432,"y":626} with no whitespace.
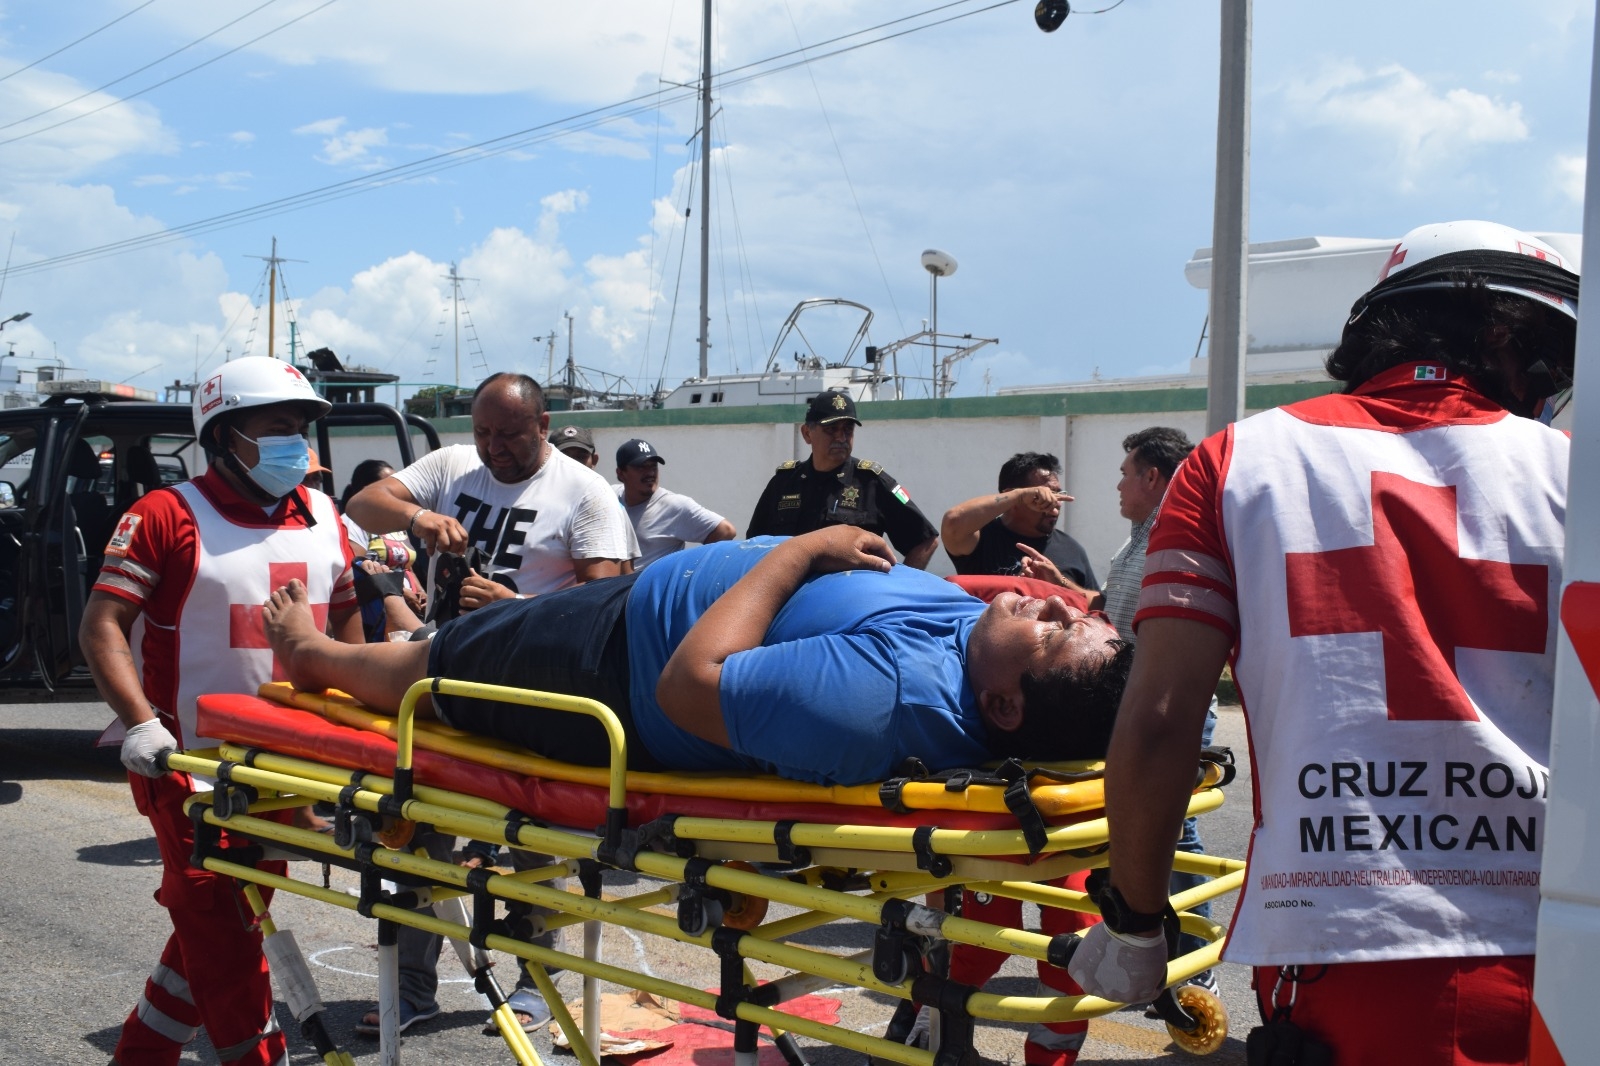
{"x":744,"y":911}
{"x":396,"y":833}
{"x":1209,"y":1011}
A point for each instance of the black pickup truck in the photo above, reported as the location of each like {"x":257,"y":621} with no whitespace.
{"x":69,"y":468}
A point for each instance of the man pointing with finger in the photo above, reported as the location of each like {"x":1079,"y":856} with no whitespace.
{"x":982,"y":535}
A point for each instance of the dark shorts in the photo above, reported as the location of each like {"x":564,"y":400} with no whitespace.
{"x":574,"y":642}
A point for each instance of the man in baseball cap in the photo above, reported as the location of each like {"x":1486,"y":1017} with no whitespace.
{"x":577,"y":443}
{"x":664,"y":521}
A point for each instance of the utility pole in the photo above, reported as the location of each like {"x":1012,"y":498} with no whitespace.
{"x":1230,"y":224}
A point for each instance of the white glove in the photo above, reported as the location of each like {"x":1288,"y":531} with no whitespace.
{"x":143,"y":744}
{"x":1119,"y":966}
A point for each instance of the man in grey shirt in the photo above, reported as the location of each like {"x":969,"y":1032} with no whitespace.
{"x":664,"y":521}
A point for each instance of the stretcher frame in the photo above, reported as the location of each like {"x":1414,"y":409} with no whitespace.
{"x":840,"y":872}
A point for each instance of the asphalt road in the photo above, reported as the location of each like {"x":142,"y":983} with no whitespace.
{"x":79,"y":931}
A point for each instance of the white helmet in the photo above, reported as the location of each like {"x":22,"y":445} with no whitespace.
{"x":1506,"y":259}
{"x":254,"y":381}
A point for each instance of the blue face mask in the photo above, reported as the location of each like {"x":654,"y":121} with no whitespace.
{"x":282,"y":464}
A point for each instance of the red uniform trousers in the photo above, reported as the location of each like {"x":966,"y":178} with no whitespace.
{"x":1421,"y":1012}
{"x":212,"y":971}
{"x":1053,"y":1044}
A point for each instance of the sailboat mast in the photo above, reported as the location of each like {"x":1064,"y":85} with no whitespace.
{"x":272,"y":298}
{"x":705,"y":188}
{"x":572,"y":374}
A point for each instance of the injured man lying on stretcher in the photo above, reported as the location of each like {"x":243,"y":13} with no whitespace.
{"x":811,"y":657}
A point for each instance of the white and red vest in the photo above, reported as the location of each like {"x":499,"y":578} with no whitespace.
{"x":220,"y":643}
{"x":1397,"y":597}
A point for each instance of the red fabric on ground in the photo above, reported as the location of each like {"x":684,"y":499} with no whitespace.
{"x":694,"y":1044}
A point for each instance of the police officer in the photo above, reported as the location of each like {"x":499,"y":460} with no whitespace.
{"x":833,"y":488}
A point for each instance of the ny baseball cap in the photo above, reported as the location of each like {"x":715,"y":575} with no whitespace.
{"x":573,"y":437}
{"x":831,"y":406}
{"x":637,"y":451}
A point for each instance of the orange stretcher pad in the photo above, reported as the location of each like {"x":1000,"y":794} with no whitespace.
{"x":333,"y":729}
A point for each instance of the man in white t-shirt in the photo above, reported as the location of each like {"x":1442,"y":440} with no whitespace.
{"x":664,"y":521}
{"x":546,"y":521}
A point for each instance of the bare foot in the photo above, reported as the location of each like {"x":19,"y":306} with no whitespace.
{"x":292,"y":631}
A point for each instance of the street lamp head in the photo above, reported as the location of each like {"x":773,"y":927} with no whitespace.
{"x":18,"y":317}
{"x":1048,"y":15}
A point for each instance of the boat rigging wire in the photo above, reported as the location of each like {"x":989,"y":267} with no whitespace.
{"x":851,"y":185}
{"x":159,"y":84}
{"x":80,"y":40}
{"x":677,"y":288}
{"x":509,"y":142}
{"x":655,"y":189}
{"x":746,"y":276}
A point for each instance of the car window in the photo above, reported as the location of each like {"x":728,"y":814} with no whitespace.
{"x":16,"y":462}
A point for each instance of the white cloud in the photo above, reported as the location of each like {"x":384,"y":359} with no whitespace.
{"x":242,"y":137}
{"x":321,"y":128}
{"x":78,"y":147}
{"x":349,"y":148}
{"x":492,"y":46}
{"x":1392,"y":107}
{"x":354,"y":148}
{"x":1570,"y":171}
{"x":224,"y":179}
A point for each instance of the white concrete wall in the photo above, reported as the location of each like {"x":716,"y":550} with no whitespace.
{"x":939,"y":460}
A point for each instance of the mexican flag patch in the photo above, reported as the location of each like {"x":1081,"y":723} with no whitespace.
{"x":901,"y":494}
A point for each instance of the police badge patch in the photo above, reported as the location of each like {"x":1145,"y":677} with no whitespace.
{"x":850,"y":497}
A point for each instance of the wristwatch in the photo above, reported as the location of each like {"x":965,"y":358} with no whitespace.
{"x":1120,"y":918}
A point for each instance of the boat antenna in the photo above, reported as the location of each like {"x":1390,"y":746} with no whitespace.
{"x":705,"y":188}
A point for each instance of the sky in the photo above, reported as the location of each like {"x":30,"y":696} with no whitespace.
{"x":1070,"y":175}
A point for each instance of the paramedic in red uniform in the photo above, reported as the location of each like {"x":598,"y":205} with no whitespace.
{"x":1382,"y":569}
{"x":194,"y":560}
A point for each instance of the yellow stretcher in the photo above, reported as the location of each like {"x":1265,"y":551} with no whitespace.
{"x":864,"y":854}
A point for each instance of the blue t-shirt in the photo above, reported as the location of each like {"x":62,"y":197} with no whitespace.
{"x":858,"y":671}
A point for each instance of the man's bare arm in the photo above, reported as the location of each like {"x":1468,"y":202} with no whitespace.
{"x":724,"y":531}
{"x":963,"y":522}
{"x":917,"y":558}
{"x":689,"y":687}
{"x":103,"y":635}
{"x":587,"y":570}
{"x":387,"y":505}
{"x":1150,"y":766}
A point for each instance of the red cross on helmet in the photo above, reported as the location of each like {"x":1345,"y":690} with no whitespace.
{"x":254,"y":381}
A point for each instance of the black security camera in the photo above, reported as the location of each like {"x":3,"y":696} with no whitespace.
{"x":1050,"y":14}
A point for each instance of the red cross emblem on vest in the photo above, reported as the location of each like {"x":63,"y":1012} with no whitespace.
{"x":1412,"y":586}
{"x":245,"y":627}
